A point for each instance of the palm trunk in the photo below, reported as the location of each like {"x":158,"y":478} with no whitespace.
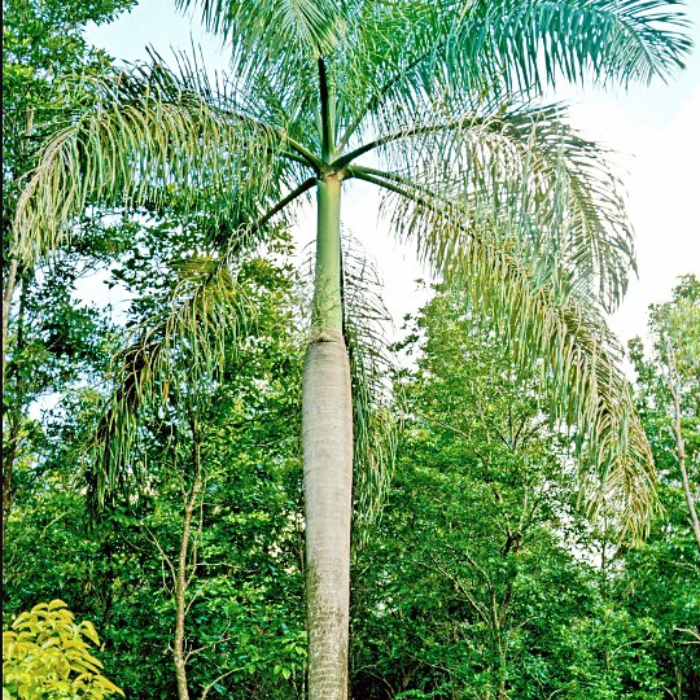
{"x":328,"y":449}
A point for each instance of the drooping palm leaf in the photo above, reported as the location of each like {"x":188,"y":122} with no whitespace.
{"x":372,"y":366}
{"x":183,"y":349}
{"x":550,"y":329}
{"x":154,"y":139}
{"x":525,"y":172}
{"x":179,"y":353}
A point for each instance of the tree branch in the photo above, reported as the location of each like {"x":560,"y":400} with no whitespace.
{"x":680,"y":445}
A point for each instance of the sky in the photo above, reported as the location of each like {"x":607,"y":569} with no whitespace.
{"x":653,"y":130}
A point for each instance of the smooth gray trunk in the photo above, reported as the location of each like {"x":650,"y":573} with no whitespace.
{"x":328,"y":453}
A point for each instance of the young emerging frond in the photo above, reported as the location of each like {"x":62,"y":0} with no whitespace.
{"x":267,"y":33}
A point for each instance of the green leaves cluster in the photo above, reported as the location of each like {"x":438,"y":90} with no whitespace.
{"x":450,"y":577}
{"x":46,"y":654}
{"x":483,"y":576}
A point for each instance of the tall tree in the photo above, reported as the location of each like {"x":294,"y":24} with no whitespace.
{"x":662,"y":578}
{"x":434,"y":104}
{"x":481,"y":579}
{"x":669,"y":383}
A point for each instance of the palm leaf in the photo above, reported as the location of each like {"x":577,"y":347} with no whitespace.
{"x":628,"y":40}
{"x":411,"y":55}
{"x":266,"y":34}
{"x":177,"y":354}
{"x":523,"y":171}
{"x":181,"y":351}
{"x":552,"y":331}
{"x":152,"y":139}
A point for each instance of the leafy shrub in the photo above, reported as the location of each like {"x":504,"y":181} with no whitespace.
{"x":46,"y":656}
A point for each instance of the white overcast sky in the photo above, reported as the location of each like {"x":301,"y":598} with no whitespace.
{"x":655,"y":130}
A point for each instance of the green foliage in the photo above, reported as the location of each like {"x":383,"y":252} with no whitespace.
{"x":53,"y":338}
{"x":245,"y":600}
{"x":482,"y":576}
{"x":42,"y":47}
{"x":673,"y":334}
{"x":481,"y":579}
{"x":576,"y":624}
{"x":465,"y":560}
{"x":47,"y":655}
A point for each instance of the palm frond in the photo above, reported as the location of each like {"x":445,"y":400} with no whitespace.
{"x":155,"y":139}
{"x":182,"y":350}
{"x":178,"y":354}
{"x":531,"y":42}
{"x":372,"y":366}
{"x":552,"y":332}
{"x":411,"y":55}
{"x":523,"y":171}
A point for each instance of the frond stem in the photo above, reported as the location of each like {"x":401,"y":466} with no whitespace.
{"x":314,"y":161}
{"x":358,"y":171}
{"x":299,"y":159}
{"x":276,"y":209}
{"x":364,"y":174}
{"x":396,"y":136}
{"x":308,"y":157}
{"x":304,"y":187}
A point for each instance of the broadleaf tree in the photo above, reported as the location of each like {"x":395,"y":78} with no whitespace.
{"x":435,"y":104}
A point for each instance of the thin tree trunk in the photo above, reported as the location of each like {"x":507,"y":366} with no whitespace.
{"x":179,"y":655}
{"x":680,"y":445}
{"x":328,"y":450}
{"x":8,"y":460}
{"x":8,"y":293}
{"x":9,"y":290}
{"x":11,"y":441}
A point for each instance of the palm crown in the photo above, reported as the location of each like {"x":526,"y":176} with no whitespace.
{"x":434,"y":104}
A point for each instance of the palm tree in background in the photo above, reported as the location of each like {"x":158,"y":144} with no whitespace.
{"x":434,"y":104}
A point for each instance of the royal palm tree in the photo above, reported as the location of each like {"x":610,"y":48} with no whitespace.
{"x":436,"y":104}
